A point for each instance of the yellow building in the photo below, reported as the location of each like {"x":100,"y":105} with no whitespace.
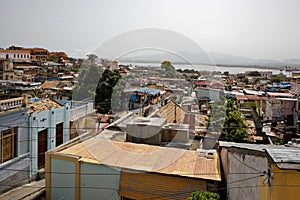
{"x":38,"y":54}
{"x":283,"y":179}
{"x":257,"y":171}
{"x":98,"y":168}
{"x":6,"y":69}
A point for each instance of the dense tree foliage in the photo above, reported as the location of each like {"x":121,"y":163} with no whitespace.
{"x":276,"y":79}
{"x":204,"y":195}
{"x":189,"y":74}
{"x":254,"y":73}
{"x":170,"y":69}
{"x":228,"y":120}
{"x":217,"y":116}
{"x":92,"y":58}
{"x":88,"y":78}
{"x":104,"y":91}
{"x":234,"y":128}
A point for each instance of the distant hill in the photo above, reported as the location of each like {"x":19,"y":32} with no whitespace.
{"x":292,"y":61}
{"x":211,"y":58}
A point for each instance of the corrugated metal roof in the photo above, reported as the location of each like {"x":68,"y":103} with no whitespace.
{"x":257,"y":147}
{"x":135,"y":185}
{"x":285,"y":155}
{"x":147,"y":90}
{"x":278,"y":94}
{"x":147,"y":158}
{"x":168,"y":112}
{"x":50,"y":84}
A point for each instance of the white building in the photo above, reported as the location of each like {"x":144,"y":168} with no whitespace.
{"x":15,"y":54}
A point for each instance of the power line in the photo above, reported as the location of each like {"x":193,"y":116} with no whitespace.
{"x":246,"y":164}
{"x":188,"y":174}
{"x":54,"y":127}
{"x":100,"y":174}
{"x":106,"y":188}
{"x":165,"y":195}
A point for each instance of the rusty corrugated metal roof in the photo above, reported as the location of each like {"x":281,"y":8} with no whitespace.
{"x":147,"y":158}
{"x":135,"y":185}
{"x":50,"y":84}
{"x":168,"y":112}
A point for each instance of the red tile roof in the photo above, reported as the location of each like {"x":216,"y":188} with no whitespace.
{"x":241,"y":97}
{"x":253,"y":97}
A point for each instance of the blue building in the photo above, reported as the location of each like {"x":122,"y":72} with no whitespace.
{"x":27,"y":131}
{"x":49,"y":124}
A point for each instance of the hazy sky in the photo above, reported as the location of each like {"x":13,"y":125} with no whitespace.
{"x":254,"y":28}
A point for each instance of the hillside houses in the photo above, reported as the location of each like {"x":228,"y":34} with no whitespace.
{"x":159,"y":143}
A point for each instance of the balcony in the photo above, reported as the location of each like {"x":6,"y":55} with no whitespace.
{"x":82,"y":110}
{"x":9,"y":104}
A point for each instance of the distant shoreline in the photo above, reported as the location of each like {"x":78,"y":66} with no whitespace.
{"x":216,"y":65}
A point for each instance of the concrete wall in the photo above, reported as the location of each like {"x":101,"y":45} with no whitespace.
{"x":211,"y":94}
{"x":62,"y":179}
{"x":47,"y":119}
{"x":17,"y":174}
{"x":243,"y":168}
{"x":148,"y":132}
{"x":99,"y":181}
{"x":175,"y":133}
{"x":19,"y":165}
{"x":287,"y":107}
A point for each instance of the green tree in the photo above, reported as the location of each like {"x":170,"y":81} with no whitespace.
{"x":246,"y":80}
{"x":167,"y":64}
{"x":228,"y":120}
{"x":257,"y":80}
{"x":170,"y":69}
{"x":117,"y":96}
{"x":179,"y":70}
{"x":204,"y":195}
{"x":254,"y":73}
{"x":88,"y":78}
{"x":234,"y":128}
{"x":226,"y":73}
{"x":217,"y":118}
{"x":92,"y":58}
{"x":105,"y":87}
{"x":276,"y":79}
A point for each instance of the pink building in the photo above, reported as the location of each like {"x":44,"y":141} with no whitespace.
{"x":280,"y":106}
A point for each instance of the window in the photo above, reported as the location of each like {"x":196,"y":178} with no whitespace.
{"x":8,"y":144}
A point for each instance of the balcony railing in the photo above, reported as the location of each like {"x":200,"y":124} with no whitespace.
{"x":81,"y":111}
{"x":8,"y":104}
